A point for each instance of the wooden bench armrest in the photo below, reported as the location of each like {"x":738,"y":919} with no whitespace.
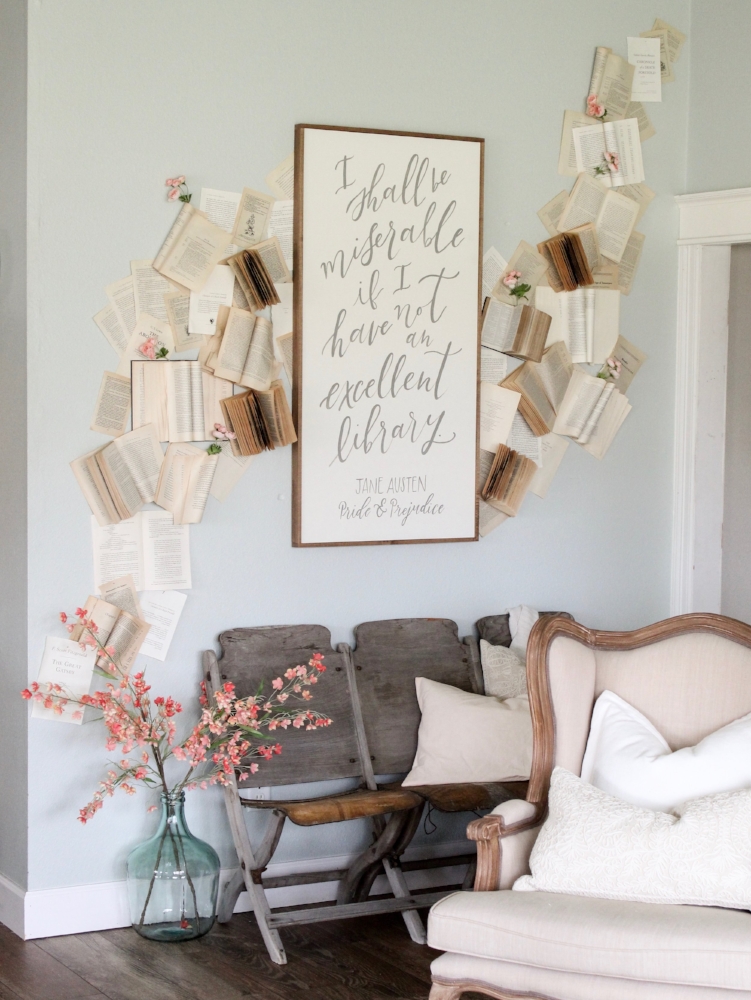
{"x":507,"y":820}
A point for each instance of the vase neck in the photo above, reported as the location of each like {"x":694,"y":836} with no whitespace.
{"x":173,"y":814}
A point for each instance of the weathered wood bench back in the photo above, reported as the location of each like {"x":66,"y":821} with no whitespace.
{"x":251,"y":656}
{"x":388,"y":656}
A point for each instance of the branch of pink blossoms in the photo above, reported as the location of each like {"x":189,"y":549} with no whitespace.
{"x":226,"y":741}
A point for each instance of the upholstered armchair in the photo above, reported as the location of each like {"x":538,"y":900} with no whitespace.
{"x":689,"y":675}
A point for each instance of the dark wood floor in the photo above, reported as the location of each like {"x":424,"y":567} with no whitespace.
{"x":367,"y":959}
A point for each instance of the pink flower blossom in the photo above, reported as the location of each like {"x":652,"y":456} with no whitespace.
{"x":511,"y":280}
{"x":594,"y":108}
{"x":171,"y":182}
{"x":63,"y":617}
{"x":174,"y":194}
{"x":148,"y":348}
{"x":277,"y":684}
{"x":611,"y":159}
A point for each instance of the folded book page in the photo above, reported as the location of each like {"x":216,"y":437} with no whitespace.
{"x":204,"y":305}
{"x":497,"y":409}
{"x":109,"y":322}
{"x":112,"y":407}
{"x":122,"y":297}
{"x":552,"y":449}
{"x":281,"y":222}
{"x":149,"y":289}
{"x":162,"y":610}
{"x":550,"y":213}
{"x":644,"y":56}
{"x":493,"y":266}
{"x":281,"y":180}
{"x":66,"y":664}
{"x":252,"y":218}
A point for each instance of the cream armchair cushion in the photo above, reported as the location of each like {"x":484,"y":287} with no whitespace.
{"x":592,"y":844}
{"x":688,"y":945}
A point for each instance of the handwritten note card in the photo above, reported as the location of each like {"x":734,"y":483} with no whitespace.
{"x":388,"y":317}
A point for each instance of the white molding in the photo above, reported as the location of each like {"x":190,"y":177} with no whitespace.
{"x":78,"y":909}
{"x":715,"y":217}
{"x":689,"y":304}
{"x":710,"y":223}
{"x":11,"y":905}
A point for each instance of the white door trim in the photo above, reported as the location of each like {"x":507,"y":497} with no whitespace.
{"x":709,"y":224}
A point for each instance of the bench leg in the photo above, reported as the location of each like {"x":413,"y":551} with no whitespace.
{"x":242,"y":842}
{"x":371,"y":859}
{"x":400,"y":889}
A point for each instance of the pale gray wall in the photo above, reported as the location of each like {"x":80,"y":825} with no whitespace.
{"x":13,"y":576}
{"x":124,"y":94}
{"x":719,"y":151}
{"x":736,"y":526}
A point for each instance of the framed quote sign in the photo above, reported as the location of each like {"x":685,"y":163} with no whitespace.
{"x":387,"y":267}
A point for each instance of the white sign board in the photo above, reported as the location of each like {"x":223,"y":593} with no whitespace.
{"x":388,"y":244}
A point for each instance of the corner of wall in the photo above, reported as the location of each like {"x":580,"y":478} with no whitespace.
{"x":13,"y":461}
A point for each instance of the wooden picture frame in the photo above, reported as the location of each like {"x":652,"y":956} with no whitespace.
{"x":378,"y":215}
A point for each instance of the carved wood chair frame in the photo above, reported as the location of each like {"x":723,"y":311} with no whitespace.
{"x":489,"y":831}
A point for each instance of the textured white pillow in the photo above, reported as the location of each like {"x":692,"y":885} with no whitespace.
{"x":469,"y":737}
{"x":592,"y":844}
{"x":503,"y":673}
{"x":627,"y":757}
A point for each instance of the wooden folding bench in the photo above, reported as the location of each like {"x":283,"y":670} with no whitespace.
{"x":369,"y":692}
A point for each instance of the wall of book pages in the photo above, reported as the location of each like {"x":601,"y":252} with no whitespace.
{"x":203,"y":336}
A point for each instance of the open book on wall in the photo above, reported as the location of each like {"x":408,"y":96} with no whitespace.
{"x":508,"y":480}
{"x":572,"y":257}
{"x":621,"y":138}
{"x":191,"y":251}
{"x":149,"y":547}
{"x":178,"y":398}
{"x":261,"y":420}
{"x":592,"y":412}
{"x":612,"y":214}
{"x":185,"y":482}
{"x":257,"y":269}
{"x":587,"y":320}
{"x":119,"y":478}
{"x":246,"y":350}
{"x":542,"y":387}
{"x":116,"y":628}
{"x":519,"y":331}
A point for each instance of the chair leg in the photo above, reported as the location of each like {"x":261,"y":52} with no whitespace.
{"x":400,"y":889}
{"x":242,"y":843}
{"x":228,"y":896}
{"x":445,"y":991}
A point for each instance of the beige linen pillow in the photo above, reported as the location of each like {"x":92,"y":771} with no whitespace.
{"x":593,"y":844}
{"x":503,"y":673}
{"x":469,"y":737}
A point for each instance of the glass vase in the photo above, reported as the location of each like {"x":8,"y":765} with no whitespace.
{"x":173,"y":879}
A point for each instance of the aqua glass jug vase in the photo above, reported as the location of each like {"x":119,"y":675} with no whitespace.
{"x":173,"y":879}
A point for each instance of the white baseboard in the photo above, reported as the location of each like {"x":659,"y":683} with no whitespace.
{"x":78,"y":909}
{"x":12,"y":905}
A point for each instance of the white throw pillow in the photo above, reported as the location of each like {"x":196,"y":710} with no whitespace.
{"x":627,"y":757}
{"x":469,"y":737}
{"x":503,"y":673}
{"x":592,"y":844}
